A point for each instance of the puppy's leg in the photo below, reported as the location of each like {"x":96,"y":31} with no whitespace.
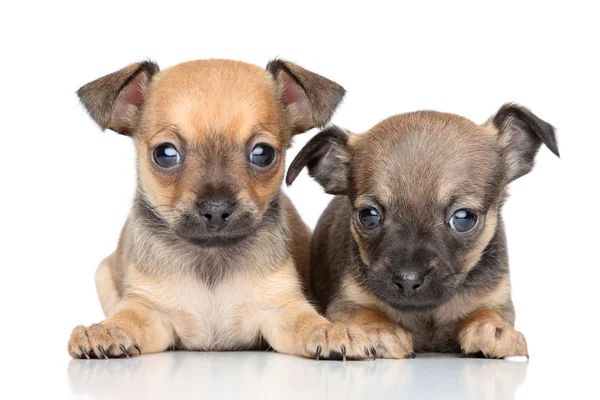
{"x":389,"y":339}
{"x":106,"y":286}
{"x":291,"y":325}
{"x":132,"y":329}
{"x":487,"y":332}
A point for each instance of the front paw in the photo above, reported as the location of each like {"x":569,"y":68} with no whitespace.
{"x":390,"y":340}
{"x":102,"y":341}
{"x":337,"y":341}
{"x":494,"y":339}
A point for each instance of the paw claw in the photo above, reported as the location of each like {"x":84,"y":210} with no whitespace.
{"x":102,"y":351}
{"x":124,"y":350}
{"x":391,"y":340}
{"x":85,"y":353}
{"x":373,"y":353}
{"x":336,"y":341}
{"x":137,"y":346}
{"x":101,"y":341}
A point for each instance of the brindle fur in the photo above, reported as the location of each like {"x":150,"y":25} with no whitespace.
{"x":418,"y":167}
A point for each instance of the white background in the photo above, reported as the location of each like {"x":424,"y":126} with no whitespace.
{"x":66,"y":187}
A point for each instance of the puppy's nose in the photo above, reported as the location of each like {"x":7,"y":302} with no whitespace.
{"x":216,"y":212}
{"x":409,"y":282}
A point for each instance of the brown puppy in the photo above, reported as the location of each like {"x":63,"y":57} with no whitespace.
{"x":413,"y":248}
{"x":207,"y":259}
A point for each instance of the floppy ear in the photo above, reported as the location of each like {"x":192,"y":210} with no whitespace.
{"x":114,"y":101}
{"x":309,"y":99}
{"x":328,"y":160}
{"x":521,"y":133}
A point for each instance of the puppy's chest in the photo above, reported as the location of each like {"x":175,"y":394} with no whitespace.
{"x":208,"y":318}
{"x":429,"y":332}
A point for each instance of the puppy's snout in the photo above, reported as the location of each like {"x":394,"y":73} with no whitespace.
{"x":216,"y":212}
{"x":409,"y":281}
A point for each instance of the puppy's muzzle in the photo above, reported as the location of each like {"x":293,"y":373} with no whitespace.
{"x":409,"y":281}
{"x":216,"y":212}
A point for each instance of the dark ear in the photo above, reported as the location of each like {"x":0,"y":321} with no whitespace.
{"x":328,"y":160}
{"x":114,"y":101}
{"x":310,"y":99}
{"x":521,"y":133}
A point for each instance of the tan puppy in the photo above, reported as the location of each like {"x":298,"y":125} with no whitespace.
{"x":413,"y":248}
{"x":208,"y":257}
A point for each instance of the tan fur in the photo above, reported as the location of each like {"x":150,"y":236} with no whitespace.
{"x":461,"y":306}
{"x":363,"y":254}
{"x":444,"y":323}
{"x":390,"y":339}
{"x":487,"y":332}
{"x":105,"y":286}
{"x":200,"y":99}
{"x":160,"y":292}
{"x":483,"y":240}
{"x":180,"y":310}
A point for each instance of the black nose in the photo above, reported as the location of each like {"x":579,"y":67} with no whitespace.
{"x":216,"y":212}
{"x":409,"y":282}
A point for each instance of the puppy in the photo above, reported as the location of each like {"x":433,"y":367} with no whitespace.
{"x":413,"y":248}
{"x":208,"y":257}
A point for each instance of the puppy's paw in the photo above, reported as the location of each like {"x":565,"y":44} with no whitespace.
{"x":102,"y":341}
{"x":390,"y":340}
{"x":337,"y":341}
{"x":493,"y":339}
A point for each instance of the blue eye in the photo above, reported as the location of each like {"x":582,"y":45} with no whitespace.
{"x":166,"y":156}
{"x":463,"y":220}
{"x":369,"y":217}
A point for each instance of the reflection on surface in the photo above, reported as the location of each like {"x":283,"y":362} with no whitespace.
{"x":268,"y":375}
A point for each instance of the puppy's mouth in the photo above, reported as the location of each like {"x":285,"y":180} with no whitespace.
{"x":425,"y":304}
{"x":216,"y":240}
{"x":196,"y":231}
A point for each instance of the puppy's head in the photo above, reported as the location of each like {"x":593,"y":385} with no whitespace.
{"x":426,"y":190}
{"x":211,"y":137}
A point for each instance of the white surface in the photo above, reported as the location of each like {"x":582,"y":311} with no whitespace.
{"x":67,"y":187}
{"x":274,"y":376}
{"x":187,"y":375}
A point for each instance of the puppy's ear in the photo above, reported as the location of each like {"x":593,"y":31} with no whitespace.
{"x":328,"y":160}
{"x":114,"y":101}
{"x":521,"y":133}
{"x":309,"y":99}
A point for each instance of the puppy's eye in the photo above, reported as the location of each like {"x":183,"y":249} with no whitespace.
{"x":166,"y":156}
{"x":463,"y":220}
{"x":369,"y":217}
{"x":262,"y":155}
